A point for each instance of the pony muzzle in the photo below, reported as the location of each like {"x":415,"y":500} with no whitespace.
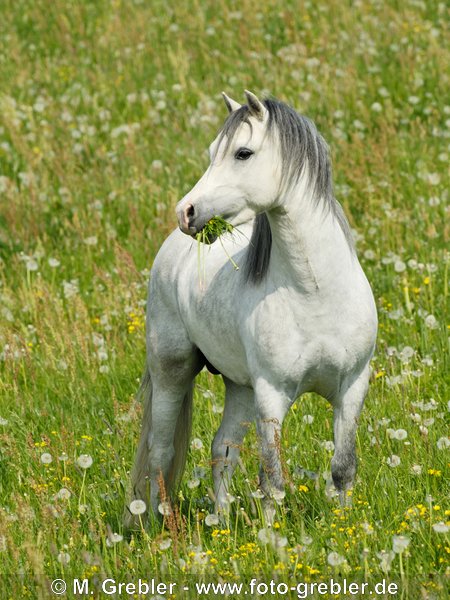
{"x":186,"y":216}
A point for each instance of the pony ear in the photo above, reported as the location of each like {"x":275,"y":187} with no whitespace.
{"x":231,"y":104}
{"x":255,"y":106}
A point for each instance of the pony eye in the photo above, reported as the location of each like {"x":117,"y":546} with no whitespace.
{"x":243,"y":154}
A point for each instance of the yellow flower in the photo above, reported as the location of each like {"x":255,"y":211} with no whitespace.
{"x":434,"y":472}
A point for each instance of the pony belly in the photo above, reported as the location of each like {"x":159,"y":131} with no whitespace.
{"x":232,"y":364}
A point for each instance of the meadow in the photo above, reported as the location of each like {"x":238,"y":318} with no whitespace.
{"x":107,"y":108}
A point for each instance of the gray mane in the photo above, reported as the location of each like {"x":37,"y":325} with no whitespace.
{"x":301,"y":146}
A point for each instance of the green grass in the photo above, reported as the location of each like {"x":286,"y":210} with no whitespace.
{"x":106,"y":111}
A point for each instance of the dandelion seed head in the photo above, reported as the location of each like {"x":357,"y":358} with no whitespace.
{"x":164,"y":509}
{"x":64,"y":558}
{"x":46,"y":458}
{"x":84,"y":461}
{"x":63,"y":494}
{"x":193,"y":483}
{"x":443,"y":443}
{"x":211,"y":519}
{"x":400,"y":543}
{"x":334,"y":559}
{"x":165,"y":544}
{"x":393,"y":461}
{"x":137,"y":507}
{"x":441,"y":527}
{"x":197,"y":444}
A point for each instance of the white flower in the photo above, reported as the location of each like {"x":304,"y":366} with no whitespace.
{"x":399,"y":266}
{"x":3,"y":421}
{"x":84,"y":461}
{"x":63,"y":494}
{"x":400,"y":543}
{"x":433,"y":178}
{"x":328,"y":445}
{"x":63,"y":457}
{"x":334,"y":559}
{"x":53,"y":262}
{"x":64,"y":558}
{"x":258,"y":494}
{"x":165,"y":544}
{"x":443,"y":442}
{"x":32,"y":265}
{"x":397,"y":434}
{"x":193,"y":483}
{"x":91,"y":241}
{"x":196,"y":444}
{"x":441,"y":527}
{"x":308,"y":419}
{"x":46,"y":458}
{"x":102,"y":354}
{"x":113,"y":538}
{"x":267,"y":536}
{"x":164,"y":508}
{"x":431,"y":322}
{"x":393,"y":461}
{"x":211,"y":519}
{"x":70,"y":288}
{"x":263,"y":535}
{"x":416,"y":470}
{"x":376,"y":107}
{"x":406,"y":354}
{"x":386,"y":559}
{"x":137,"y":507}
{"x":367,"y":528}
{"x":157,"y":165}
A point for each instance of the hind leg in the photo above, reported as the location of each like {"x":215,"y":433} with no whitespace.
{"x":173,"y":363}
{"x":347,"y":408}
{"x":237,"y":416}
{"x":159,"y":455}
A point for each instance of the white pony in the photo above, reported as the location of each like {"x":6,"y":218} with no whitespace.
{"x":298,"y":316}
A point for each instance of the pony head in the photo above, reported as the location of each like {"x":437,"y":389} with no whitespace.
{"x":243,"y":177}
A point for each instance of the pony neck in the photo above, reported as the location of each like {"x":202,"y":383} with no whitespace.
{"x":309,"y":248}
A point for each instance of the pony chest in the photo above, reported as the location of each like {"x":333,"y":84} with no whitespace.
{"x":295,"y":341}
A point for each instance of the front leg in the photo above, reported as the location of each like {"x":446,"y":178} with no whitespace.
{"x":272,"y":406}
{"x":238,"y":415}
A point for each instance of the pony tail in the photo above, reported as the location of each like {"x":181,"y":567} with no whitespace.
{"x":181,"y":441}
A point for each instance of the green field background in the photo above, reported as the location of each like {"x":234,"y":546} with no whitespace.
{"x":106,"y":112}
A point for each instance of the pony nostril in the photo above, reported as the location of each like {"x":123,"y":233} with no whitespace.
{"x":190,"y":211}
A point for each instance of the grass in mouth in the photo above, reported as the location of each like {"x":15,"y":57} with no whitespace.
{"x":213,"y":229}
